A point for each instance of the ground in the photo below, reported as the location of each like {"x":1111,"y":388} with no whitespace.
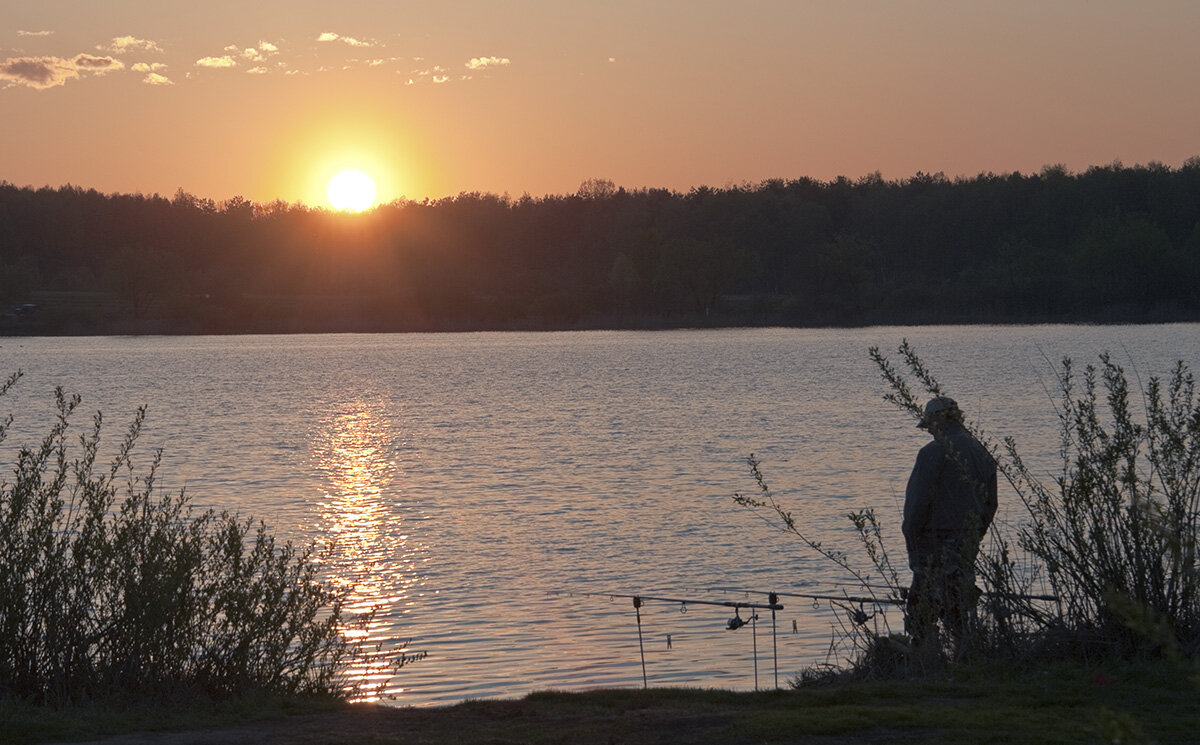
{"x":1067,"y":704}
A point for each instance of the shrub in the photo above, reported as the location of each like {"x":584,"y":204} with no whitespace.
{"x":1117,"y":530}
{"x":1115,"y":533}
{"x":108,"y":587}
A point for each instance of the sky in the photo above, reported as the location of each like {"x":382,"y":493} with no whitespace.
{"x":270,"y":99}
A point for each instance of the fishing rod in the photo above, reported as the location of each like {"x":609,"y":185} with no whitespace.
{"x":812,"y":596}
{"x":873,"y":599}
{"x":733,"y":624}
{"x":682,"y":601}
{"x":772,"y":604}
{"x":986,"y":594}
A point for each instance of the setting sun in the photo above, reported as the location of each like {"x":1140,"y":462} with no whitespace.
{"x":351,"y":190}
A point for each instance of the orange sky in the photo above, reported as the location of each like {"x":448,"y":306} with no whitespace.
{"x":269,"y":99}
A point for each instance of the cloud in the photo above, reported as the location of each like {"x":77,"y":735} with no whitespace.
{"x":217,"y":62}
{"x":37,"y":72}
{"x":436,"y":74}
{"x":122,"y":44}
{"x":34,"y":33}
{"x":97,"y":64}
{"x":350,"y":40}
{"x":482,"y":63}
{"x":50,"y":72}
{"x":254,"y":55}
{"x":156,"y":79}
{"x":148,"y":66}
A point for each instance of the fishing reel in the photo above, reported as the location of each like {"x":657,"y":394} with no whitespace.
{"x":860,"y":616}
{"x":737,"y":621}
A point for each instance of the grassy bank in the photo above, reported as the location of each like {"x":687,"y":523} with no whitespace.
{"x":1123,"y":702}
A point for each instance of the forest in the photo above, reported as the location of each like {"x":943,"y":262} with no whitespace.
{"x":1110,"y":244}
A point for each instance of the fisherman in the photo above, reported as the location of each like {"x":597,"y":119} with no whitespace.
{"x":948,"y":505}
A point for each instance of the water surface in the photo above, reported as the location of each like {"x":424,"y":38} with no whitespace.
{"x":477,"y":485}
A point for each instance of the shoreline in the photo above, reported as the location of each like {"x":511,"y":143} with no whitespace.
{"x":9,"y":330}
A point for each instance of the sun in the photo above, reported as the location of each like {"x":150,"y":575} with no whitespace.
{"x":351,"y":190}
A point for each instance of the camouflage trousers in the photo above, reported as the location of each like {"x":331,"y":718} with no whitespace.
{"x":943,"y":590}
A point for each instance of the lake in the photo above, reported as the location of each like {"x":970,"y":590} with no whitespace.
{"x":487,"y":491}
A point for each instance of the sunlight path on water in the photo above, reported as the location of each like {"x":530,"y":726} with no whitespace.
{"x":370,"y":555}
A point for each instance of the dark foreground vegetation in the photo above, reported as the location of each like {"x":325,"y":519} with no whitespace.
{"x":112,"y":591}
{"x":1119,"y":703}
{"x":1101,"y":571}
{"x":1113,"y":243}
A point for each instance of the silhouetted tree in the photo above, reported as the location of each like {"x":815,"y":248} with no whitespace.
{"x":1113,"y":242}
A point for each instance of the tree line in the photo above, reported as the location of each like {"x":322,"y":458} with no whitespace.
{"x":1112,"y":243}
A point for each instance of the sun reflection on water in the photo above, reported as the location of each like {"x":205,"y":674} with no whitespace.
{"x":372,"y":556}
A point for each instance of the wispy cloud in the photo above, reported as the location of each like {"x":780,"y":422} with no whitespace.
{"x":147,"y":66}
{"x":435,"y":74}
{"x":34,"y":33}
{"x":216,"y":62}
{"x":123,"y":44}
{"x":438,"y":74}
{"x":50,"y":72}
{"x":482,"y":63}
{"x":255,"y":55}
{"x":156,"y":79}
{"x":328,"y":36}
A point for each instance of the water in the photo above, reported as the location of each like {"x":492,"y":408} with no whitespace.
{"x":477,"y":485}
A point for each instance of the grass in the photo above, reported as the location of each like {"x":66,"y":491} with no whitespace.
{"x":1063,"y":703}
{"x":21,"y":722}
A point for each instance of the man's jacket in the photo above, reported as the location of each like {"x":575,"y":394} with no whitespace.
{"x":951,"y":494}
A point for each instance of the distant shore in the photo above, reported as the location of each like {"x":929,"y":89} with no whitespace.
{"x":56,"y":316}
